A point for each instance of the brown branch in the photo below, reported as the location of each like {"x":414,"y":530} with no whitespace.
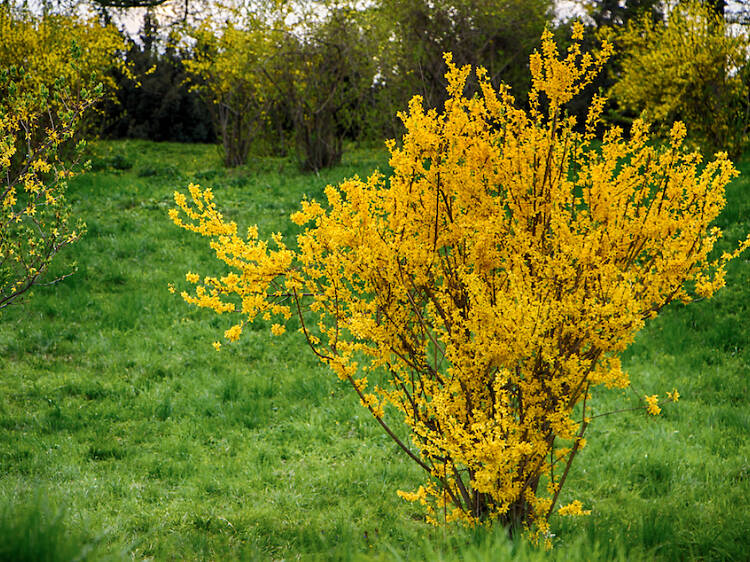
{"x":576,"y":446}
{"x":387,"y":429}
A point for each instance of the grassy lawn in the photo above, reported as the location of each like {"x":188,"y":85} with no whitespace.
{"x":123,"y":433}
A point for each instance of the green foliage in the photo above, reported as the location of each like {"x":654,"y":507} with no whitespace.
{"x":158,"y":104}
{"x":325,"y":74}
{"x":616,"y":12}
{"x":227,"y":69}
{"x":288,"y":78}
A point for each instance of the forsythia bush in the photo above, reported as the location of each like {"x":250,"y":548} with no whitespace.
{"x":34,"y":217}
{"x":42,"y":47}
{"x":50,"y":75}
{"x":696,"y":67}
{"x":483,"y":291}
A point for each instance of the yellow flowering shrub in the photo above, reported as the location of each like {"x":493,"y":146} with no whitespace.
{"x":692,"y":67}
{"x":229,"y":69}
{"x":50,"y":72}
{"x":482,"y":291}
{"x":42,"y":47}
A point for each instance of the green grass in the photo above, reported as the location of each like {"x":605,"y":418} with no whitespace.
{"x":115,"y":409}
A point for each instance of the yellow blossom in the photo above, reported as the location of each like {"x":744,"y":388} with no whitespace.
{"x":233,"y":333}
{"x":574,"y":508}
{"x":46,"y":88}
{"x":652,"y":405}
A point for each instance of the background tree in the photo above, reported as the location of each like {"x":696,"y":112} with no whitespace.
{"x":603,"y":13}
{"x":697,"y":68}
{"x":58,"y":49}
{"x":228,"y":68}
{"x":497,"y":34}
{"x":41,"y":45}
{"x":153,"y":100}
{"x":718,"y":6}
{"x":272,"y":81}
{"x":324,"y":72}
{"x":600,"y":16}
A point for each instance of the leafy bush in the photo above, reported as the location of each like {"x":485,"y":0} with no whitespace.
{"x":57,"y":49}
{"x":35,"y":220}
{"x":484,"y":290}
{"x":228,"y":70}
{"x":692,"y":67}
{"x":51,"y":76}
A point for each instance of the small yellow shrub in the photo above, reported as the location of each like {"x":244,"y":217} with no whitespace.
{"x":492,"y":281}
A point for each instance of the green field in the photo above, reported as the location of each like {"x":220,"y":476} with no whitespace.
{"x":123,"y":434}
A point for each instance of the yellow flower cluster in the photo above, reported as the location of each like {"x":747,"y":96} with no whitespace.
{"x":258,"y":267}
{"x":490,"y":283}
{"x":652,"y":405}
{"x":574,"y":508}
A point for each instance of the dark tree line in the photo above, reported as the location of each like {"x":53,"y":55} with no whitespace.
{"x":346,"y":80}
{"x":156,"y":102}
